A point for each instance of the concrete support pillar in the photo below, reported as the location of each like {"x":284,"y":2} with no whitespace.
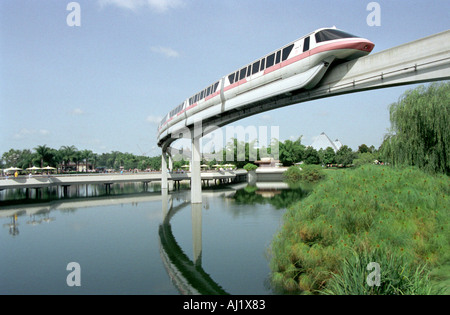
{"x":170,"y":183}
{"x":164,"y":177}
{"x":196,"y":176}
{"x":170,"y":162}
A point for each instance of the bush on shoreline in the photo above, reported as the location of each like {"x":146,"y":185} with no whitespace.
{"x":250,"y":167}
{"x":402,"y":213}
{"x":307,"y":173}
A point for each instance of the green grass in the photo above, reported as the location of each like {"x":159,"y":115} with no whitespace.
{"x":401,"y":213}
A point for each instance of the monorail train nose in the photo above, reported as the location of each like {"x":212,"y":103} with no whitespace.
{"x":356,"y":48}
{"x":367,"y":45}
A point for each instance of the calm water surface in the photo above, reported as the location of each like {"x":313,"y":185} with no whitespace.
{"x":143,"y":243}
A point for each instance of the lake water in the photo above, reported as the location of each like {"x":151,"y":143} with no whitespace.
{"x":142,"y":243}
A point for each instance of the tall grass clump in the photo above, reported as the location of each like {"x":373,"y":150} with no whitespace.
{"x":401,"y":215}
{"x":396,"y":276}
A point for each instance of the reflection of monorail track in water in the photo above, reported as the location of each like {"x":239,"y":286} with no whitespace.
{"x":188,"y":276}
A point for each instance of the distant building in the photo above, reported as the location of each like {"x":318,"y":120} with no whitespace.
{"x":268,"y":162}
{"x":323,"y":142}
{"x":80,"y":167}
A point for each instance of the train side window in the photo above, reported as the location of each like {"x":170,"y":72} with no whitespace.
{"x":208,"y":92}
{"x":255,"y":67}
{"x":306,"y":44}
{"x":231,"y":78}
{"x":263,"y":64}
{"x":270,"y":61}
{"x":287,"y":52}
{"x":215,"y":86}
{"x":331,"y":34}
{"x":202,"y":94}
{"x":278,"y":58}
{"x":249,"y":71}
{"x":243,"y":73}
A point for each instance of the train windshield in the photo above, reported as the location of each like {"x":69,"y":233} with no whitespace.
{"x":331,"y":34}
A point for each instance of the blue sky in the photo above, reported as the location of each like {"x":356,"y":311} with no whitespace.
{"x":103,"y":85}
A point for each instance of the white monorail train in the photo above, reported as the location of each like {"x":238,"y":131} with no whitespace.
{"x":299,"y":65}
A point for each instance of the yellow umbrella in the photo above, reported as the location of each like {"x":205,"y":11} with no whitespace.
{"x":34,"y":168}
{"x":12,"y":169}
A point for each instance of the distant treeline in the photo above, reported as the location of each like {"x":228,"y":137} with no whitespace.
{"x":69,"y":157}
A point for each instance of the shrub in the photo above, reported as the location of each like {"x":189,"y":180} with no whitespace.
{"x":308,"y":173}
{"x":293,"y":174}
{"x":250,"y":167}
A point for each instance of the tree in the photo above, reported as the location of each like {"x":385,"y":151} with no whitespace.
{"x":419,"y":129}
{"x":327,"y":156}
{"x":67,"y":154}
{"x":27,"y":159}
{"x":11,"y":158}
{"x":291,"y":152}
{"x":87,"y":155}
{"x":345,"y":155}
{"x":45,"y":154}
{"x":363,"y":148}
{"x":311,"y":156}
{"x":155,"y":162}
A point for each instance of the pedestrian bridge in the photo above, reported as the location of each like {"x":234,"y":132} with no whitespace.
{"x":423,"y":60}
{"x":109,"y":179}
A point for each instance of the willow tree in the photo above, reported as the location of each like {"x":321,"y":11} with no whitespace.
{"x":420,"y":133}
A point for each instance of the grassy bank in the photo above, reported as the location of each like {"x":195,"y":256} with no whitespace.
{"x":395,"y":217}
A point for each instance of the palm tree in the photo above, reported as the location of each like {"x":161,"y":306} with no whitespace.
{"x":87,"y":155}
{"x":44,"y":153}
{"x":67,"y":154}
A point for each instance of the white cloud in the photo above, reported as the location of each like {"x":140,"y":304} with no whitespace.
{"x":26,"y":133}
{"x":164,"y":5}
{"x":154,"y":119}
{"x":77,"y":112}
{"x":159,"y":6}
{"x":166,"y":51}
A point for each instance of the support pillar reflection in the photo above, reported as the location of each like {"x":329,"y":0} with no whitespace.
{"x":196,"y":210}
{"x":165,"y":203}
